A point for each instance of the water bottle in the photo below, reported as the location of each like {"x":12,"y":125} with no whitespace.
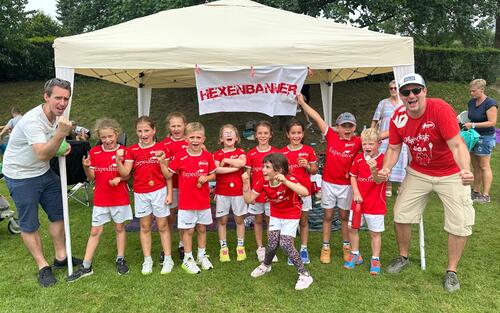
{"x":356,"y":217}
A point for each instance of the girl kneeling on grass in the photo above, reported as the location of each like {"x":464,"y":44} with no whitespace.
{"x":111,"y":201}
{"x":283,"y":192}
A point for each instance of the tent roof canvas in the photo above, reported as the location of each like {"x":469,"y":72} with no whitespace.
{"x":163,"y":49}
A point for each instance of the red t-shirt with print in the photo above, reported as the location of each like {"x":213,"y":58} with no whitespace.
{"x":339,"y":155}
{"x":103,"y":163}
{"x":285,"y":203}
{"x":254,"y":163}
{"x":174,"y":146}
{"x":190,"y":168}
{"x":373,"y":194}
{"x":146,"y":169}
{"x":229,"y":184}
{"x":426,"y":137}
{"x":299,"y":172}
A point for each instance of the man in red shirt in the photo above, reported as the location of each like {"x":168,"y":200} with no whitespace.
{"x":440,"y":162}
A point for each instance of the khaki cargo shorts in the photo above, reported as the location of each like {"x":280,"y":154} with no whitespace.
{"x":456,"y":199}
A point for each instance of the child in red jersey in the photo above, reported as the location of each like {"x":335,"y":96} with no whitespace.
{"x":302,"y":163}
{"x":111,"y":201}
{"x":283,"y":191}
{"x":336,"y":190}
{"x":263,"y":133}
{"x":175,"y":142}
{"x":371,"y":196}
{"x":229,"y":190}
{"x":195,"y":167}
{"x":152,"y":192}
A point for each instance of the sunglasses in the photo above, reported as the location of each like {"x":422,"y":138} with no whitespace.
{"x":415,"y":91}
{"x":393,"y":88}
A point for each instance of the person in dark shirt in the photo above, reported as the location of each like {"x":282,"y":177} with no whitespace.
{"x":482,"y":113}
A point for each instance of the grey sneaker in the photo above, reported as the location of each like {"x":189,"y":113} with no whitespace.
{"x":475,"y":195}
{"x":451,"y":283}
{"x":398,"y":264}
{"x":80,"y":273}
{"x":122,"y":267}
{"x":482,"y":199}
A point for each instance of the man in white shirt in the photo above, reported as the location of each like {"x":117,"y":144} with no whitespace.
{"x":33,"y":142}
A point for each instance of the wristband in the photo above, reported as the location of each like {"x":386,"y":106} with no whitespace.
{"x":473,"y":125}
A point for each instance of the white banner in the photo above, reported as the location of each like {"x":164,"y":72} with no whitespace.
{"x":271,"y":91}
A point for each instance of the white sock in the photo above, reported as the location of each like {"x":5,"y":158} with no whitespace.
{"x":188,"y":255}
{"x":201,"y":253}
{"x":148,"y":259}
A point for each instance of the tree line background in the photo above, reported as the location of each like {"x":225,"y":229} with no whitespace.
{"x":453,"y":29}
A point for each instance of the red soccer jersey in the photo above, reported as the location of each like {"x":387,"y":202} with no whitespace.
{"x":146,"y":168}
{"x":190,"y":168}
{"x":103,"y":163}
{"x":373,"y":194}
{"x":426,"y":137}
{"x":285,"y":203}
{"x":339,"y":155}
{"x":254,"y":163}
{"x":174,"y":146}
{"x":229,"y":184}
{"x":299,"y":172}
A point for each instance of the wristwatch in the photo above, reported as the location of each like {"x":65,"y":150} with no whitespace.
{"x":473,"y":125}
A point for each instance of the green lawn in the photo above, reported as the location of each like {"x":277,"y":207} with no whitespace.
{"x":229,"y":286}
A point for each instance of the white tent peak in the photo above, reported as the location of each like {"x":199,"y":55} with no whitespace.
{"x":228,"y":34}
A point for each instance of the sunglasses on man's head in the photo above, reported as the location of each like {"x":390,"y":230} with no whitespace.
{"x":415,"y":91}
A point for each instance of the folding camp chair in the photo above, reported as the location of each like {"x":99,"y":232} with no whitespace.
{"x":75,"y":174}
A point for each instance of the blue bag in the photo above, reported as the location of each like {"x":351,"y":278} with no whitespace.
{"x":471,"y":137}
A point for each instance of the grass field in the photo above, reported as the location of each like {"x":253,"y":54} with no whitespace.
{"x":229,"y":287}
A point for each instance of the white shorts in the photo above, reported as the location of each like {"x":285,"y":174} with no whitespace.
{"x":286,"y":227}
{"x":336,"y":196}
{"x":175,"y":198}
{"x":187,"y":219}
{"x":151,"y":202}
{"x":259,"y":208}
{"x":307,"y":204}
{"x":374,"y":222}
{"x":224,"y":203}
{"x":103,"y":214}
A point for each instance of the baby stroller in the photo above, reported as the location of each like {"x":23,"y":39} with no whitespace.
{"x":7,"y":214}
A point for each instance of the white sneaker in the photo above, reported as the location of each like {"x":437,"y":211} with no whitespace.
{"x":261,"y":254}
{"x":275,"y":259}
{"x":260,"y":270}
{"x":147,"y":268}
{"x":167,"y":266}
{"x":190,"y":267}
{"x":304,"y":281}
{"x":6,"y":213}
{"x":205,"y":263}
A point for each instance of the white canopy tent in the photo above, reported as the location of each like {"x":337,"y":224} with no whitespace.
{"x":162,"y":50}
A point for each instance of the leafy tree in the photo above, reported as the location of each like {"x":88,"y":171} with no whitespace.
{"x":12,"y":17}
{"x":39,"y":24}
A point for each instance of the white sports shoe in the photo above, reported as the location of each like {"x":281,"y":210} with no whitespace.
{"x":261,"y":254}
{"x":190,"y":267}
{"x":147,"y":268}
{"x":260,"y":270}
{"x":167,"y":266}
{"x":304,"y":281}
{"x":205,"y":263}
